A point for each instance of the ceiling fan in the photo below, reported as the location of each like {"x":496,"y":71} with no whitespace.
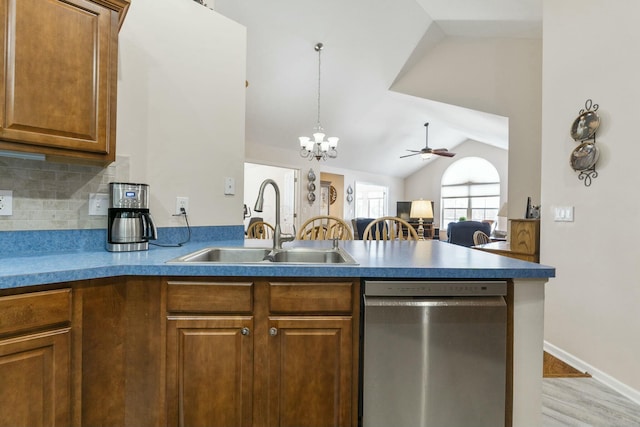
{"x":426,"y":151}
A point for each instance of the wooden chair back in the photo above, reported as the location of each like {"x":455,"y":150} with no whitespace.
{"x":480,"y":238}
{"x":325,"y":227}
{"x":260,"y":230}
{"x":389,"y":228}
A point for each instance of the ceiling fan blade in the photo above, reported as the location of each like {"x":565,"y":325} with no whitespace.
{"x":414,"y":151}
{"x":409,"y":155}
{"x":443,"y":152}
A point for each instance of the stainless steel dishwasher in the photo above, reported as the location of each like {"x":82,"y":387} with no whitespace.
{"x":434,"y":354}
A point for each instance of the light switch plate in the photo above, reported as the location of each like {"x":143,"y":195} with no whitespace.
{"x":563,"y":214}
{"x":229,"y":186}
{"x":98,"y":204}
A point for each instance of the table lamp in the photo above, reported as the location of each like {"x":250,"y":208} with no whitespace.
{"x":421,"y":209}
{"x":501,"y":221}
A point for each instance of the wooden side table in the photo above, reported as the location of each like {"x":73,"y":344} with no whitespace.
{"x":524,"y":241}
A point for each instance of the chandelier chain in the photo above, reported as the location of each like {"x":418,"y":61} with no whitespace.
{"x":318,"y":147}
{"x":319,"y":49}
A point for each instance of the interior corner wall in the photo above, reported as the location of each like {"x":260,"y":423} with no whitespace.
{"x":591,"y":52}
{"x":426,"y":183}
{"x":181,"y":108}
{"x":494,"y":75}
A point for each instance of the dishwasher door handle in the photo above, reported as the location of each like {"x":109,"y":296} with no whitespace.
{"x":376,"y":301}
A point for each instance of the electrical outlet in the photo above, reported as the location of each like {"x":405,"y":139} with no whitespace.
{"x":98,"y":204}
{"x":182,"y":203}
{"x":6,"y":202}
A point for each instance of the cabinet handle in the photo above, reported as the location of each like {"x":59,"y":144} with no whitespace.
{"x":245,"y":331}
{"x":273,"y":331}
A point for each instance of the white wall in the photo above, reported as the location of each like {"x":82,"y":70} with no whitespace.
{"x":426,"y":183}
{"x":181,"y":103}
{"x":591,"y":51}
{"x":498,"y":76}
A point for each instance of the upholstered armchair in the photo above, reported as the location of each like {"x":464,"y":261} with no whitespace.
{"x":461,"y":233}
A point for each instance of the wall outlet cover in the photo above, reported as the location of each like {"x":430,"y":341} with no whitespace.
{"x":98,"y":204}
{"x":6,"y":202}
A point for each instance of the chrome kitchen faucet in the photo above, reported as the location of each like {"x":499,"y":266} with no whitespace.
{"x":278,"y":237}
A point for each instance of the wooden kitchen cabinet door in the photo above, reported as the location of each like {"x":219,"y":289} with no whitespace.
{"x":310,"y":371}
{"x":59,"y":77}
{"x":209,"y":371}
{"x":35,"y":380}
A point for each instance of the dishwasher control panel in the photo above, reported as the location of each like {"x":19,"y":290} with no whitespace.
{"x":399,"y":288}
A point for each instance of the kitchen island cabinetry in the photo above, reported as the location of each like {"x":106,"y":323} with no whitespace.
{"x":261,"y":353}
{"x":209,"y":353}
{"x":35,"y":359}
{"x":59,"y":77}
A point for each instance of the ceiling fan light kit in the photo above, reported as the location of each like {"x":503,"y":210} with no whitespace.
{"x":427,"y":152}
{"x":317,"y":147}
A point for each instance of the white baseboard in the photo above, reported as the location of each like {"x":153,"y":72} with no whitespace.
{"x":597,"y":374}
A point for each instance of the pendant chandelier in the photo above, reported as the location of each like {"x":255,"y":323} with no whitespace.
{"x":317,"y":147}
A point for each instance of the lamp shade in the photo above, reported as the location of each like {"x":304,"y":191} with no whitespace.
{"x":421,"y":209}
{"x":503,"y":210}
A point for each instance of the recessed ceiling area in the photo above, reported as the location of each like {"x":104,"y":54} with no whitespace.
{"x":372,"y":96}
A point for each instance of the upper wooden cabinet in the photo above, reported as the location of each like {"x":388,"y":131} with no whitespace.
{"x":59,"y":77}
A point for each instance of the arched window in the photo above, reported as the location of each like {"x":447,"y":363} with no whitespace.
{"x":470,"y":189}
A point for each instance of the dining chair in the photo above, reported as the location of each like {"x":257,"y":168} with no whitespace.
{"x":389,"y":228}
{"x":480,"y":238}
{"x":325,"y":227}
{"x":260,"y":230}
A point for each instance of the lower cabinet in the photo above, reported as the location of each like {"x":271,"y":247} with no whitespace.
{"x":35,"y":370}
{"x":210,"y":371}
{"x":262,"y":353}
{"x":151,"y":351}
{"x":310,"y":362}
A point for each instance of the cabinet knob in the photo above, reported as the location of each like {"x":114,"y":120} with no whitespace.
{"x":245,"y":331}
{"x":273,"y":331}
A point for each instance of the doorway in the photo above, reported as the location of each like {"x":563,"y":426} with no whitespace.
{"x":286,"y":179}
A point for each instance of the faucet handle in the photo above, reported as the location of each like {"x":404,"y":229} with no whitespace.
{"x":286,"y":237}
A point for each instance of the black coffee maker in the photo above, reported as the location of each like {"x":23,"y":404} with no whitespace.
{"x":130,"y":225}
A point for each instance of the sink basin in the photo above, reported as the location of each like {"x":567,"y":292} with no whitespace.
{"x":224,"y":255}
{"x":240,"y":255}
{"x":311,"y":256}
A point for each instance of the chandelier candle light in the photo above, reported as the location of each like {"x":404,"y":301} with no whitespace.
{"x":421,"y":209}
{"x":317,"y":147}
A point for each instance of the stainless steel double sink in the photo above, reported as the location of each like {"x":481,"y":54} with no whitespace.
{"x":241,"y":255}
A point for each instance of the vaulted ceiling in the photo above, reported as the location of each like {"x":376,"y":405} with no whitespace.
{"x":367,"y":98}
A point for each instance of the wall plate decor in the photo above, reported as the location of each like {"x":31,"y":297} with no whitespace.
{"x":584,"y":157}
{"x":311,"y":186}
{"x":333,"y":194}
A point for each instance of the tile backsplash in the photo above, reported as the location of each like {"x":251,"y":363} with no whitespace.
{"x":55,"y":196}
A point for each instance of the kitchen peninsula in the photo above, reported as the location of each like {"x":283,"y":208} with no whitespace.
{"x":110,"y":332}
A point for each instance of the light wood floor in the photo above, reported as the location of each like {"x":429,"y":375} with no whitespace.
{"x":573,"y":398}
{"x":585,"y":402}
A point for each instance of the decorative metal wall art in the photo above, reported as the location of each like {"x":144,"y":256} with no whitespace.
{"x":584,"y":157}
{"x":349,"y":194}
{"x":311,"y":187}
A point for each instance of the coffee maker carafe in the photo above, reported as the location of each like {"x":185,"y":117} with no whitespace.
{"x":130,"y":225}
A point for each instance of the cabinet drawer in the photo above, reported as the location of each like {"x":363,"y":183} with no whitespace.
{"x":210,"y":297}
{"x":36,"y":310}
{"x":320,"y":297}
